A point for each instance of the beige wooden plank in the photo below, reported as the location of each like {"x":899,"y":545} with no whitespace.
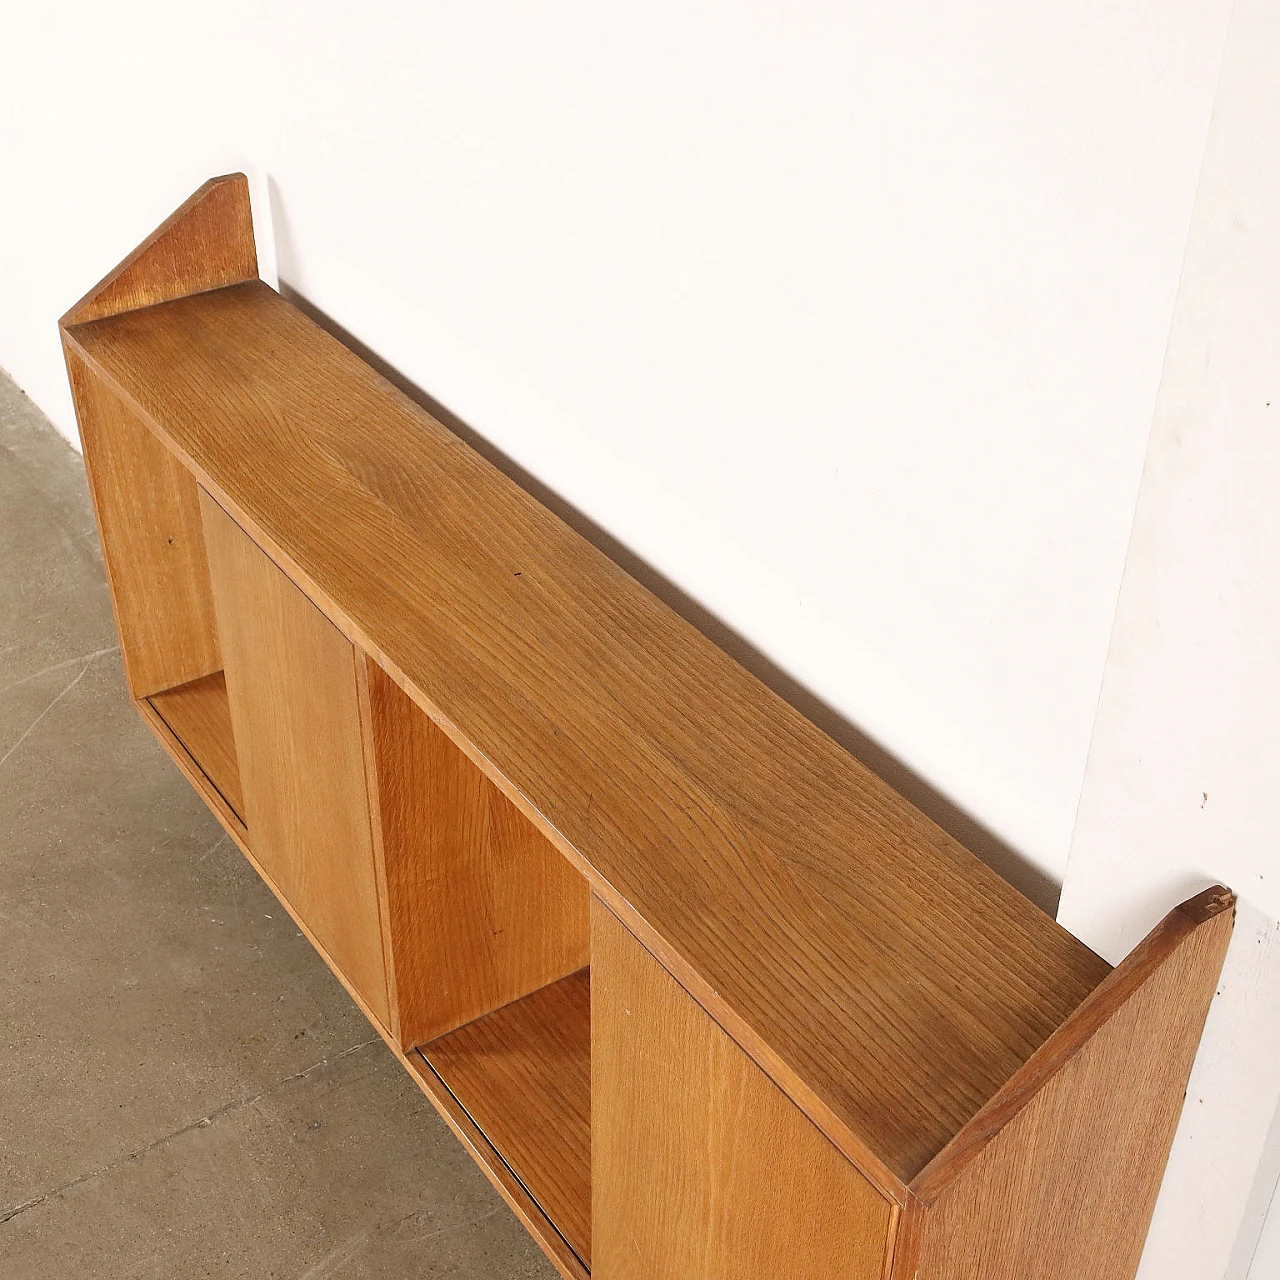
{"x":194,"y":774}
{"x":523,"y":1074}
{"x":494,"y":1167}
{"x":199,"y":716}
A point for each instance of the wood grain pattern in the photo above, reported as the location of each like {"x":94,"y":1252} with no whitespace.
{"x":704,"y":1170}
{"x":148,"y":518}
{"x":291,"y":682}
{"x":883,"y":976}
{"x":494,"y":1167}
{"x":205,"y":244}
{"x":231,"y":821}
{"x":1058,"y":1176}
{"x":481,"y":909}
{"x":199,"y":715}
{"x":523,"y":1075}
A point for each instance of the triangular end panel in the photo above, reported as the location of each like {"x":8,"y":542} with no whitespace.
{"x":206,"y":244}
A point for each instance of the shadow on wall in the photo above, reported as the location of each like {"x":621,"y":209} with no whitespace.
{"x":1007,"y":862}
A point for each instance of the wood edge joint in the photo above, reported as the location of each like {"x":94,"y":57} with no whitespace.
{"x":1089,"y":1018}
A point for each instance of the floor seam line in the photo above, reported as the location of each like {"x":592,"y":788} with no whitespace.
{"x":57,"y":666}
{"x":31,"y":728}
{"x":236,"y":1104}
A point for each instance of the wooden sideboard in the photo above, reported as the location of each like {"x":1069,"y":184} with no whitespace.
{"x":702,"y":995}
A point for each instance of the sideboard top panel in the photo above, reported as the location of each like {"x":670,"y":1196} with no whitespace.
{"x":887,"y":979}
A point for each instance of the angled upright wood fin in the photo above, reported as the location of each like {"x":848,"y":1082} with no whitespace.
{"x":1000,"y":1201}
{"x":206,"y":244}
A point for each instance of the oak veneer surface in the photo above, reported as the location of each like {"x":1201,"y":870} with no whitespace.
{"x":523,"y":1075}
{"x":481,"y":909}
{"x":291,"y":683}
{"x":494,"y":1167}
{"x":205,"y":244}
{"x":190,"y":769}
{"x":886,"y":978}
{"x":703,"y":1167}
{"x":1059,"y":1174}
{"x":199,"y":716}
{"x":148,"y":516}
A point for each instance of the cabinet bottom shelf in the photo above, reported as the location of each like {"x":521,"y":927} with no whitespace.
{"x":522,"y":1076}
{"x":198,"y":715}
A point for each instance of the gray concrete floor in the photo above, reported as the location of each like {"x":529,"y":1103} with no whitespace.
{"x":185,"y":1090}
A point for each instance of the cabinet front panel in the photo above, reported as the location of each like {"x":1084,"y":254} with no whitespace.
{"x":291,"y":682}
{"x":702,"y":1169}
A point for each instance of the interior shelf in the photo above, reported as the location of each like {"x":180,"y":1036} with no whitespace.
{"x":523,"y":1076}
{"x":198,"y":714}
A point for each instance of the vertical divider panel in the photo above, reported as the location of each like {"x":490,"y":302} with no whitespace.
{"x":148,"y":513}
{"x":295,"y":709}
{"x":481,"y":909}
{"x":700,"y":1165}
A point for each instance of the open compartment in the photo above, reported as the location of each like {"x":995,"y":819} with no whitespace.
{"x":522,"y":1075}
{"x":148,"y":511}
{"x":198,"y":715}
{"x":488,"y":927}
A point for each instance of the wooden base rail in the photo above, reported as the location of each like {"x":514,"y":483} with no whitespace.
{"x":704,"y":997}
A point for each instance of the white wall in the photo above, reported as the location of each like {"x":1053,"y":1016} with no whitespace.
{"x":1182,"y":785}
{"x":847,"y":317}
